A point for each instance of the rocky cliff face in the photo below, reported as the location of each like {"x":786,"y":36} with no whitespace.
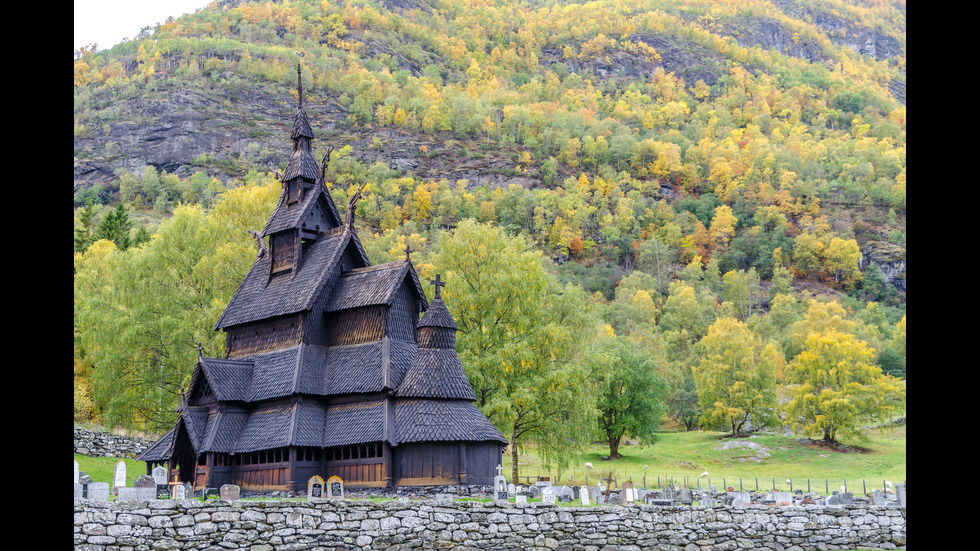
{"x":890,"y":259}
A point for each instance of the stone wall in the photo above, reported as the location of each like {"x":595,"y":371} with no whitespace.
{"x":103,"y":444}
{"x":364,"y":524}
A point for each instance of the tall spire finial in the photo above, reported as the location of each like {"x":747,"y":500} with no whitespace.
{"x":299,"y":79}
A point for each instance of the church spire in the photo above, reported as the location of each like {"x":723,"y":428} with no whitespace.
{"x":301,"y":162}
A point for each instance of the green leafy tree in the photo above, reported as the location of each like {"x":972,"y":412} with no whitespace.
{"x":835,"y":387}
{"x":683,"y":402}
{"x":140,"y":313}
{"x":519,"y":335}
{"x":632,"y":396}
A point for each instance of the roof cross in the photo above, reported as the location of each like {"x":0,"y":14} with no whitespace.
{"x":439,"y":284}
{"x":408,"y":251}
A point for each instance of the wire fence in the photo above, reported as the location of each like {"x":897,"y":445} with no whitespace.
{"x":825,"y":486}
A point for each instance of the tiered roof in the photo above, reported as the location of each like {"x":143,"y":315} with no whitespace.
{"x":399,"y":387}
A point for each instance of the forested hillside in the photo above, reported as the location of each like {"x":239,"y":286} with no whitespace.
{"x":682,"y":181}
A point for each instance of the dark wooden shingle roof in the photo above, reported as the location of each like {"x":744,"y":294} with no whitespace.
{"x":372,"y":285}
{"x":438,"y":420}
{"x":259,"y":298}
{"x":437,"y":315}
{"x":436,"y":373}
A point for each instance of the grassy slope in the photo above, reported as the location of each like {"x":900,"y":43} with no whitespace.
{"x":689,"y":454}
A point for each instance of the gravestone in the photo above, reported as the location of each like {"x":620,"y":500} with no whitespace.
{"x":900,"y":494}
{"x":315,"y":488}
{"x":535,"y":492}
{"x":146,"y":488}
{"x":76,"y":472}
{"x":231,"y":492}
{"x":846,"y":498}
{"x":145,"y":481}
{"x":98,"y":491}
{"x":543,"y":481}
{"x":335,"y":488}
{"x":615,"y":498}
{"x":78,"y":491}
{"x":511,"y":489}
{"x":583,"y":495}
{"x":548,"y":495}
{"x":160,"y":475}
{"x":119,"y":475}
{"x":741,"y":499}
{"x":499,"y":486}
{"x":180,"y":492}
{"x":629,"y":497}
{"x":877,"y":498}
{"x":782,"y":498}
{"x":521,"y":498}
{"x":565,"y":492}
{"x":833,"y":500}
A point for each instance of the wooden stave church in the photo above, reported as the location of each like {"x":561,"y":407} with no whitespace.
{"x":328,"y":369}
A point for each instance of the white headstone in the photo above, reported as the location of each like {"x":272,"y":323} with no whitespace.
{"x":180,"y":491}
{"x":76,"y":472}
{"x":521,"y":498}
{"x":119,"y":479}
{"x":160,"y":475}
{"x":583,"y":494}
{"x":548,"y":495}
{"x":499,"y":485}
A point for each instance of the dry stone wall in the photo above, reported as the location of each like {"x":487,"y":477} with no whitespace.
{"x":103,"y":444}
{"x":402,"y":525}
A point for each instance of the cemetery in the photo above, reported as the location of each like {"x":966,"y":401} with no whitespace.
{"x":167,"y":514}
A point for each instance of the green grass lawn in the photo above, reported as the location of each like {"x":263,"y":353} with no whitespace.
{"x":101,"y":469}
{"x":688,"y":454}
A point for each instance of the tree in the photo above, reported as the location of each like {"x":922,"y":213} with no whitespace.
{"x":115,"y":227}
{"x":736,"y":376}
{"x":835,"y":386}
{"x":632,"y":396}
{"x":683,"y":402}
{"x":519,"y":335}
{"x":139,"y":313}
